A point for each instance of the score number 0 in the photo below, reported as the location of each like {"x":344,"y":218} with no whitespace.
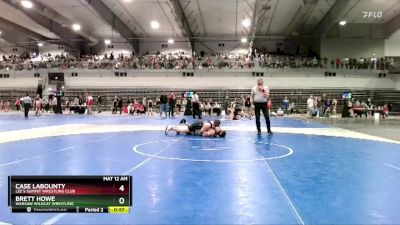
{"x":121,"y":200}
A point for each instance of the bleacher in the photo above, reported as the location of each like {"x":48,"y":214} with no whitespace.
{"x":11,"y":94}
{"x":299,"y":96}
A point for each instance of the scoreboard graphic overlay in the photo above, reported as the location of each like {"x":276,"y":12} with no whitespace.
{"x":70,"y":194}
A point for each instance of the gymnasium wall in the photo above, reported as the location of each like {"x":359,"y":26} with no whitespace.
{"x":392,"y":45}
{"x":223,"y":46}
{"x":340,"y":47}
{"x":7,"y":50}
{"x":239,"y":82}
{"x":55,"y":50}
{"x":152,"y":46}
{"x":19,"y":83}
{"x":116,"y":48}
{"x":396,"y":80}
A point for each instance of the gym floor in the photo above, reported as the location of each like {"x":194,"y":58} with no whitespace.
{"x":305,"y":173}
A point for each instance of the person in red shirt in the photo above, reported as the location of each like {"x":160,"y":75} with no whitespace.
{"x":18,"y":104}
{"x":269,"y":104}
{"x":385,"y":111}
{"x":89,"y":103}
{"x":38,"y":105}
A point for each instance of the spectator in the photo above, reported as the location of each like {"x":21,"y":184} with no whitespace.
{"x":226,"y":105}
{"x":150,"y":107}
{"x":99,"y":103}
{"x":286,"y":105}
{"x":54,"y":104}
{"x":292,"y":107}
{"x":310,"y":107}
{"x":247,"y":105}
{"x":89,"y":103}
{"x":38,"y":105}
{"x":207,"y":107}
{"x":115,"y":105}
{"x":171,"y":103}
{"x":18,"y":104}
{"x":163,"y":104}
{"x":120,"y":104}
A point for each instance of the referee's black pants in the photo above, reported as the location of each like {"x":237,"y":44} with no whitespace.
{"x":196,"y":110}
{"x":258,"y":107}
{"x":27,"y":106}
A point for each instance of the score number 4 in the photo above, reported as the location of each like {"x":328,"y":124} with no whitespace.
{"x":372,"y":14}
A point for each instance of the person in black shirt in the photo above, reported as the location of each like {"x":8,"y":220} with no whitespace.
{"x":171,"y":103}
{"x":120,"y":104}
{"x":99,"y":101}
{"x":163,"y":104}
{"x":115,"y":103}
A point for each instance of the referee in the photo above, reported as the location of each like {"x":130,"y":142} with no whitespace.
{"x":260,"y":95}
{"x":27,"y":101}
{"x":196,"y":106}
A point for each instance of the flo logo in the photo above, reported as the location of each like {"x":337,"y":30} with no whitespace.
{"x":372,"y":14}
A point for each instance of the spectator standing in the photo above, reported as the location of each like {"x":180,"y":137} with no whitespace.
{"x":292,"y":107}
{"x":144,"y":103}
{"x":171,"y":103}
{"x":89,"y":103}
{"x":115,"y":104}
{"x":27,"y":101}
{"x":179,"y":106}
{"x":310,"y":107}
{"x":260,"y":95}
{"x":247,"y":106}
{"x":286,"y":105}
{"x":196,"y":105}
{"x":120,"y":103}
{"x":163,"y":104}
{"x":319,"y":106}
{"x":226,"y":105}
{"x":150,"y":107}
{"x":334,"y":106}
{"x":54,"y":104}
{"x":99,"y":102}
{"x":38,"y":105}
{"x":18,"y":104}
{"x":46,"y":105}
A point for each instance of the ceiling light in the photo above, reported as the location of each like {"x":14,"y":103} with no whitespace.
{"x":128,"y":1}
{"x":244,"y":40}
{"x":107,"y":41}
{"x":76,"y":27}
{"x":154,"y":24}
{"x":0,"y":32}
{"x":27,"y":4}
{"x":246,"y":22}
{"x":40,"y":44}
{"x":171,"y":41}
{"x":343,"y":22}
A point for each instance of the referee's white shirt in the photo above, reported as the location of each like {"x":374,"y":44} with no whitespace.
{"x":195,"y":98}
{"x":259,"y":95}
